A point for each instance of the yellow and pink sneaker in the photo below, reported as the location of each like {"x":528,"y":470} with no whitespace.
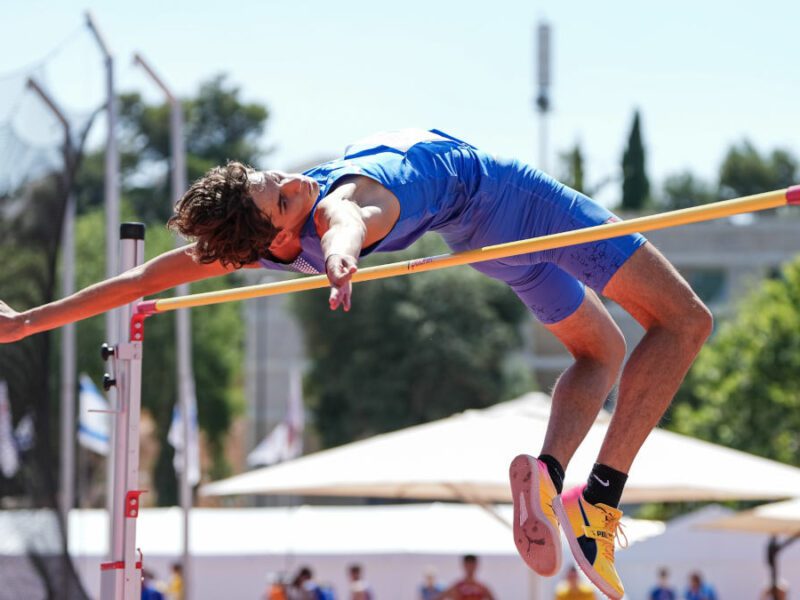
{"x":535,"y":524}
{"x":591,"y":530}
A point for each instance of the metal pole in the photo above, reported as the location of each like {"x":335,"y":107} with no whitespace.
{"x":68,"y":359}
{"x":183,"y":327}
{"x":543,"y":97}
{"x":112,"y":211}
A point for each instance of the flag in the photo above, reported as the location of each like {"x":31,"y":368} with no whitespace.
{"x":9,"y":456}
{"x":175,"y":438}
{"x":285,"y":441}
{"x":25,"y":433}
{"x":94,"y":428}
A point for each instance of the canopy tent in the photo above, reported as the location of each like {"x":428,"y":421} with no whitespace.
{"x":732,"y":562}
{"x":465,"y":457}
{"x":778,"y":518}
{"x":781,"y":520}
{"x":235,"y":549}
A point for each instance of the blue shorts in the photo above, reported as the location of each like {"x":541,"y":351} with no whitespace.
{"x":515,"y":202}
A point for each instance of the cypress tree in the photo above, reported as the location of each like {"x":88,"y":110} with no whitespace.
{"x":635,"y":185}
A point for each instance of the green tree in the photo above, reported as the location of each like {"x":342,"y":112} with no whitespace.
{"x":219,"y":126}
{"x":217,"y":338}
{"x":412,"y":349}
{"x":683,"y":190}
{"x":743,"y":390}
{"x":635,"y":185}
{"x":745,"y":171}
{"x":573,"y":169}
{"x":29,"y":234}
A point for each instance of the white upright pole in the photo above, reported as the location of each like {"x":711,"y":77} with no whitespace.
{"x":112,"y":212}
{"x":121,"y":575}
{"x":183,"y":326}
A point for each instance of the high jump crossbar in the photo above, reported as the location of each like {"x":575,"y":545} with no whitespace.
{"x":695,"y":214}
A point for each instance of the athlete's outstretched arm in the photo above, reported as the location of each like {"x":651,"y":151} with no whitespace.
{"x":163,"y":272}
{"x":347,"y":220}
{"x":342,"y":231}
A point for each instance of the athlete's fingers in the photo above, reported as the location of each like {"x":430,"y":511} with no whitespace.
{"x":335,"y":298}
{"x":340,"y":268}
{"x":347,"y":293}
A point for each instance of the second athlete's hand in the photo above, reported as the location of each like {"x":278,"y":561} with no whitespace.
{"x":340,"y":269}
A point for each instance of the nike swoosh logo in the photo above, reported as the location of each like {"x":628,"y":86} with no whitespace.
{"x":603,"y":483}
{"x":583,"y":513}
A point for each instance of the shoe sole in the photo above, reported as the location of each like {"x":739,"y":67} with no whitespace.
{"x":600,"y":583}
{"x":537,"y":540}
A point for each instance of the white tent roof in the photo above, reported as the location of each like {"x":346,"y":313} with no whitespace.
{"x":466,"y":457}
{"x":346,"y":530}
{"x":734,"y":563}
{"x":778,"y":518}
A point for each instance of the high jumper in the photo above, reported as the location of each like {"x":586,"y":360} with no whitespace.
{"x":385,"y":193}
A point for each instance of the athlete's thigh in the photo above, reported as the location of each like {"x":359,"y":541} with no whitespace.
{"x":589,"y":330}
{"x":593,"y":263}
{"x":549,"y":293}
{"x":574,"y":314}
{"x":651,"y":289}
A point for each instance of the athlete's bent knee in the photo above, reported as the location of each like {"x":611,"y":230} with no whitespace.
{"x":697,"y":324}
{"x":607,"y":353}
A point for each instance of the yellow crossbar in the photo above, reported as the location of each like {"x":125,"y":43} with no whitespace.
{"x":674,"y":218}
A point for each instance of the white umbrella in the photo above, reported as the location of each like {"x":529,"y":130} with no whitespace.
{"x":780,"y":519}
{"x":466,"y":457}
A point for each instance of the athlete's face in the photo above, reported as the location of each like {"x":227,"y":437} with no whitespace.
{"x":286,"y":199}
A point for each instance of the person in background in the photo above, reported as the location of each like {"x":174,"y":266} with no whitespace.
{"x":276,"y":588}
{"x":175,"y":584}
{"x":303,"y":586}
{"x":779,"y":591}
{"x":698,"y":589}
{"x":468,"y":588}
{"x":359,"y":588}
{"x":572,"y":588}
{"x":149,"y":589}
{"x":430,"y":588}
{"x":663,"y":590}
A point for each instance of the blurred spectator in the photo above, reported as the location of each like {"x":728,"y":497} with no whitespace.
{"x":359,"y":588}
{"x":572,"y":588}
{"x":276,"y":589}
{"x":776,"y":592}
{"x":430,"y":588}
{"x":698,"y":589}
{"x":663,"y":590}
{"x":175,"y":584}
{"x":303,"y":586}
{"x":149,"y":589}
{"x":468,"y":588}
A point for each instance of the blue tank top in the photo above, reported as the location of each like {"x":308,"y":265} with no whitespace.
{"x":433,"y":175}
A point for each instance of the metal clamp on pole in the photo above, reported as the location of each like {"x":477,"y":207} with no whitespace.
{"x":121,"y":576}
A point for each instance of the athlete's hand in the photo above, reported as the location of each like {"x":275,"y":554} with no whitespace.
{"x":340,"y":269}
{"x":12,"y":327}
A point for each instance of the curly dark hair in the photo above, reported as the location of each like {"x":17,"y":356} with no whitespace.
{"x":219,"y":214}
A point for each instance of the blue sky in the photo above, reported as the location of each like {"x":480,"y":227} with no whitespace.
{"x":704,"y":74}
